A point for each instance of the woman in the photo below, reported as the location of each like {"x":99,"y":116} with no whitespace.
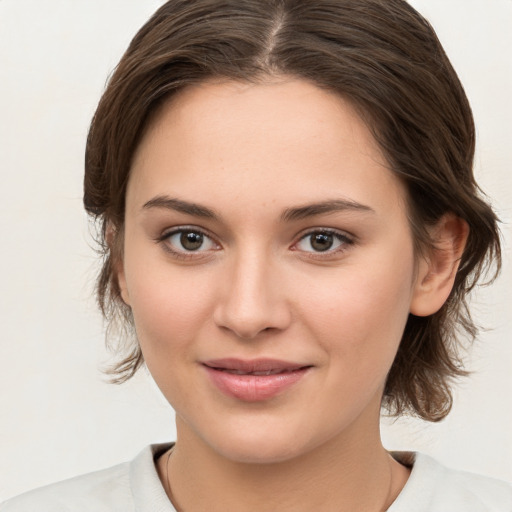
{"x":291,"y":225}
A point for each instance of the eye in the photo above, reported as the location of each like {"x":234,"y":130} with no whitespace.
{"x":323,"y":241}
{"x":189,"y":240}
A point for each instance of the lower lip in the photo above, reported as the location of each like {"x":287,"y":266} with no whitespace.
{"x":254,"y":388}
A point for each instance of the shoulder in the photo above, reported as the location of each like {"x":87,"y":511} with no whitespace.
{"x":433,"y":487}
{"x":97,"y":491}
{"x":114,"y":489}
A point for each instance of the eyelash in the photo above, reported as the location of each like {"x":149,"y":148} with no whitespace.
{"x":344,"y":242}
{"x":184,"y":254}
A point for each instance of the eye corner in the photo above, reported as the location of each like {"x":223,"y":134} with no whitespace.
{"x":329,"y":242}
{"x":173,"y":241}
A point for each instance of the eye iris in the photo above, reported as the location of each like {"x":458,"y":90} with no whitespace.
{"x":191,"y":240}
{"x":322,"y":241}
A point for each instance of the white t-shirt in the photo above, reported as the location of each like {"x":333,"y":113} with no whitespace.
{"x":135,"y":487}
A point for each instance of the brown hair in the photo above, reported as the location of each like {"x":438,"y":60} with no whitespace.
{"x":382,"y":56}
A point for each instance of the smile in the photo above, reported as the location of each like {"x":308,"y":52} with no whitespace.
{"x":241,"y":372}
{"x":256,"y":380}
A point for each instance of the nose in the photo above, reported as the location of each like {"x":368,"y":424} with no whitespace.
{"x":253,"y":299}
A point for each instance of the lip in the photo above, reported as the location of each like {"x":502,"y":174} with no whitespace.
{"x":254,"y":380}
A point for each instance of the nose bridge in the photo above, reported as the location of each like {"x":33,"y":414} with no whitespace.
{"x":254,"y":298}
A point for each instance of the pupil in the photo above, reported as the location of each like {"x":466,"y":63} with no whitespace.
{"x":322,"y":241}
{"x":191,"y":241}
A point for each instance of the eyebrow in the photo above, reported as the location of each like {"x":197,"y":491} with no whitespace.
{"x":324,"y":207}
{"x":178,"y":205}
{"x":288,"y":215}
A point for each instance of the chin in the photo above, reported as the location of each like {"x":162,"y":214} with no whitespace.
{"x":268,"y":444}
{"x":259,"y":452}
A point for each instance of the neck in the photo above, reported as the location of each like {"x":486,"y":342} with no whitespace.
{"x":349,"y":472}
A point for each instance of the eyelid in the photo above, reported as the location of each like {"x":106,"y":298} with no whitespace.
{"x":168,"y":233}
{"x":345,"y":238}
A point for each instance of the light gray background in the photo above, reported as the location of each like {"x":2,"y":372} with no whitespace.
{"x":58,"y":417}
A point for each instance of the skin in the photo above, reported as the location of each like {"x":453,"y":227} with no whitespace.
{"x":258,"y":288}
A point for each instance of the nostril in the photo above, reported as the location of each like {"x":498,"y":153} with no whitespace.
{"x":249,"y":316}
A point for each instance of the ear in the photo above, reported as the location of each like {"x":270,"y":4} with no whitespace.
{"x":121,"y":281}
{"x":115,"y":241}
{"x":436,"y":271}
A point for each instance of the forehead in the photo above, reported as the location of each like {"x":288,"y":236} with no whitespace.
{"x":279,"y":141}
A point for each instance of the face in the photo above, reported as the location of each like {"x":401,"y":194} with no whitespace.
{"x":269,"y":265}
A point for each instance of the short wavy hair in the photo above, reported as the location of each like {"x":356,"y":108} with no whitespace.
{"x":384,"y":58}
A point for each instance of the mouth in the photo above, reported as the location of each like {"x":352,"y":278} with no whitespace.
{"x":254,"y":380}
{"x":254,"y":366}
{"x":260,"y":373}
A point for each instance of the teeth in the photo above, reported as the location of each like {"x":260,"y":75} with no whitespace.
{"x":262,"y":373}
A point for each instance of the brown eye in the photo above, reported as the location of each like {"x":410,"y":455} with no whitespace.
{"x":322,"y":241}
{"x":188,"y":241}
{"x":191,"y":240}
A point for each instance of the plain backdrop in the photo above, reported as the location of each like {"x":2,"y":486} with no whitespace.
{"x":58,"y":416}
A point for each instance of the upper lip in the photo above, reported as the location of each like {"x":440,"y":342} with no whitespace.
{"x":253,"y":365}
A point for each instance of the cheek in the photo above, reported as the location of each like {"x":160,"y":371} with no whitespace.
{"x":359,"y":317}
{"x":169,"y":307}
{"x":170,"y":312}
